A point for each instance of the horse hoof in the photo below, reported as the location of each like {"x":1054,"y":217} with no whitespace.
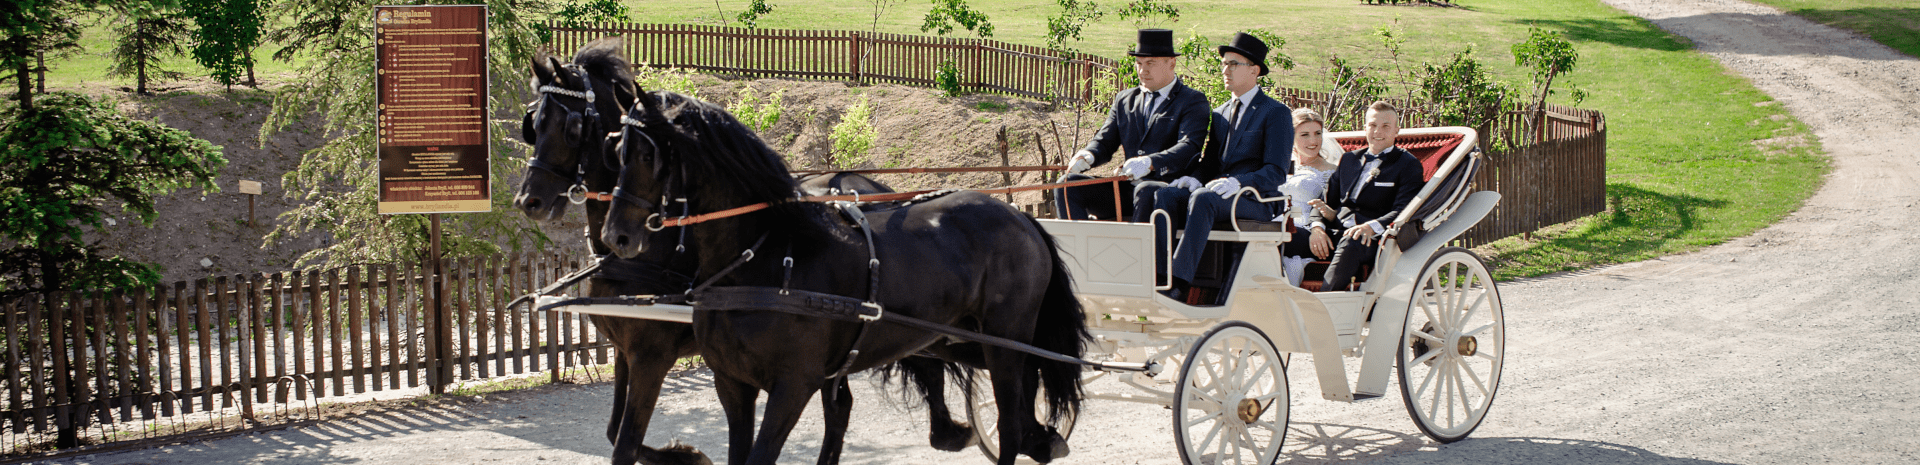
{"x":953,"y":440}
{"x":1060,"y":448}
{"x":679,"y":453}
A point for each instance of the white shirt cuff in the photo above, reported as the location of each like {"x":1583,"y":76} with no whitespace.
{"x":1377,"y":229}
{"x":1347,"y":222}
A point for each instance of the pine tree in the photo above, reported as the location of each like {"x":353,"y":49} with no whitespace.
{"x":148,"y":34}
{"x":225,"y":33}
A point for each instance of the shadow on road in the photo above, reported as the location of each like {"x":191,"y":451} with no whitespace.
{"x":1628,"y":31}
{"x":1320,"y":443}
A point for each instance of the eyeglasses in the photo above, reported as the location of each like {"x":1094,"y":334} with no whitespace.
{"x":1233,"y":63}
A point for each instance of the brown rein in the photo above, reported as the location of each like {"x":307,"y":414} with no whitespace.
{"x":889,"y":197}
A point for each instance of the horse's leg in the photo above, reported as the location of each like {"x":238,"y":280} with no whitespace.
{"x":1013,"y":395}
{"x":737,"y":401}
{"x":836,"y":402}
{"x":619,"y":392}
{"x":946,"y":433}
{"x":785,"y":402}
{"x":647,"y":371}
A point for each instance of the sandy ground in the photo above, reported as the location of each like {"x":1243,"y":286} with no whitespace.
{"x":1793,"y":345}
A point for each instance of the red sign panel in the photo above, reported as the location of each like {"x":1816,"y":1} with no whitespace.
{"x":432,"y":74}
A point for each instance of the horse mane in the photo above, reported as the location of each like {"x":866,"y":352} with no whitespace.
{"x":713,"y":145}
{"x":602,"y":58}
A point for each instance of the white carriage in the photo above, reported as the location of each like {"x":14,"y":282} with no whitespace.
{"x":1426,"y":311}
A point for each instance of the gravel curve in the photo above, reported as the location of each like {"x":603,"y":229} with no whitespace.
{"x":1793,"y":345}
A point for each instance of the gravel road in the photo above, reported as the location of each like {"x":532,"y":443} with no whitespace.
{"x":1793,"y":345}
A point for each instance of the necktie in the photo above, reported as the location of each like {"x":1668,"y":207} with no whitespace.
{"x":1233,"y":118}
{"x":1152,"y":97}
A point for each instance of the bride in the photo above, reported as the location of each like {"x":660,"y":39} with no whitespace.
{"x":1314,"y":156}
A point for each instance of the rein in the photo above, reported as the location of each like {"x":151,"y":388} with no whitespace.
{"x":656,"y":222}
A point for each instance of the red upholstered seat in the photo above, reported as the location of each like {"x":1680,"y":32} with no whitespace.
{"x":1431,"y":149}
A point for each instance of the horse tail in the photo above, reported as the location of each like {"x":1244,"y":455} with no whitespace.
{"x":1061,"y":328}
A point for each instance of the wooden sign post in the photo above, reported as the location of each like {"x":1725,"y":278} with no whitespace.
{"x":252,"y":189}
{"x":431,"y":69}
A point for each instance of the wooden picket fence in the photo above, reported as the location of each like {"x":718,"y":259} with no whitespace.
{"x":985,"y":65}
{"x":231,"y":344}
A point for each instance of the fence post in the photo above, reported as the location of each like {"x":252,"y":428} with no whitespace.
{"x":853,"y":59}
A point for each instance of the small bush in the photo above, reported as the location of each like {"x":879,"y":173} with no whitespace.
{"x":853,"y":136}
{"x":946,"y":77}
{"x":669,"y":79}
{"x":761,"y":116}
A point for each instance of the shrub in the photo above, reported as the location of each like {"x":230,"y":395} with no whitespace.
{"x":761,"y":116}
{"x":947,"y":78}
{"x":853,"y":136}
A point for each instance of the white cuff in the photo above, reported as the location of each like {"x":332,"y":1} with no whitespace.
{"x":1347,"y":223}
{"x":1377,"y":229}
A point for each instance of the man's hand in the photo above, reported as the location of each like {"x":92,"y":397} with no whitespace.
{"x":1137,"y":167}
{"x":1320,"y":208}
{"x":1321,"y":244}
{"x":1224,"y":186}
{"x":1081,"y":161}
{"x":1186,"y":182}
{"x":1362,"y":233}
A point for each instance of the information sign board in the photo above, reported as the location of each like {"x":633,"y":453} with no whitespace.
{"x":432,"y":111}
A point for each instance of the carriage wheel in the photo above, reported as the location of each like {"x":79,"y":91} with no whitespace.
{"x":984,"y":414}
{"x":1230,"y":406}
{"x":1453,"y":346}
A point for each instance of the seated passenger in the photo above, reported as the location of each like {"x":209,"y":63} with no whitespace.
{"x":1158,"y":128}
{"x":1367,"y":191}
{"x":1249,"y":146}
{"x":1313,"y":155}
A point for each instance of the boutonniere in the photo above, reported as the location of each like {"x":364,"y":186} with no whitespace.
{"x":1374,"y":173}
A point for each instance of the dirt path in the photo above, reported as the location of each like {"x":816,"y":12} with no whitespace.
{"x":1794,"y":345}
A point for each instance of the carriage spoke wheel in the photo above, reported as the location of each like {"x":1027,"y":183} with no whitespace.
{"x":984,"y":415}
{"x":1230,"y":406}
{"x":1453,"y":346}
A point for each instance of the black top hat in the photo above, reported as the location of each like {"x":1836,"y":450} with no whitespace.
{"x":1155,"y":43}
{"x":1248,"y":46}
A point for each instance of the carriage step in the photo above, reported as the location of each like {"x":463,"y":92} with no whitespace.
{"x":1361,"y":396}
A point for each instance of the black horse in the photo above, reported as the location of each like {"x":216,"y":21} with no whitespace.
{"x":567,"y":131}
{"x":963,"y":259}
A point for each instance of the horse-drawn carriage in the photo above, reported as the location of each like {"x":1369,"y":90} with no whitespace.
{"x":1427,"y":312}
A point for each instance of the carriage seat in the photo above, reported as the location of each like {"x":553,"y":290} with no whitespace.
{"x":1431,"y":150}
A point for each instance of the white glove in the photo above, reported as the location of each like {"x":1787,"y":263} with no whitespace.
{"x":1186,"y":182}
{"x":1224,"y":186}
{"x":1137,"y":167}
{"x":1081,"y":162}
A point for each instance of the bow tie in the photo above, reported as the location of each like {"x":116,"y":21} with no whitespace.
{"x":1369,"y":158}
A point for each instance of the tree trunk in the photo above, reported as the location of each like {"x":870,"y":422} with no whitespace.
{"x":22,"y":71}
{"x":40,"y":70}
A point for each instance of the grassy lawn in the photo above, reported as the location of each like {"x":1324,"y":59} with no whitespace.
{"x":1697,"y":156}
{"x":1895,"y":23}
{"x":87,"y":69}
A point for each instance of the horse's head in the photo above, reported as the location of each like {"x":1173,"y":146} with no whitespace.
{"x":643,"y":175}
{"x":563,"y":126}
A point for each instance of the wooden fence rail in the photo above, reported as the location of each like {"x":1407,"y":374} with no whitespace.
{"x":79,"y":358}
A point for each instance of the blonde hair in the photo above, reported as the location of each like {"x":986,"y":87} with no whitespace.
{"x":1382,"y":105}
{"x":1307,"y":115}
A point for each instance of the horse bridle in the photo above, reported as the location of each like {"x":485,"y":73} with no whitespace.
{"x":590,"y":119}
{"x":655,"y":221}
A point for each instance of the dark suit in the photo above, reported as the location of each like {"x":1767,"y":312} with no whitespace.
{"x":1258,"y":152}
{"x":1381,"y":199}
{"x":1172,"y":138}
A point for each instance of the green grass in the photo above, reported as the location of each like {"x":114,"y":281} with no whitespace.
{"x":87,"y":69}
{"x":1685,"y":170}
{"x":1685,"y":165}
{"x":1895,"y":23}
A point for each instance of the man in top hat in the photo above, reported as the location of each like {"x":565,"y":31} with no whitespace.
{"x":1159,"y":127}
{"x":1251,"y":146}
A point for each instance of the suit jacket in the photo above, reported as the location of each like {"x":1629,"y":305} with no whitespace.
{"x":1259,"y":152}
{"x":1172,"y":137}
{"x":1384,"y":196}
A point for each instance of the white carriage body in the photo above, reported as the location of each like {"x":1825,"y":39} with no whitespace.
{"x":1113,"y":268}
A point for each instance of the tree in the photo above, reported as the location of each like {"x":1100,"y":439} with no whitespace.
{"x":577,"y":13}
{"x":64,"y":165}
{"x":337,"y":183}
{"x":31,"y":28}
{"x":225,"y":33}
{"x":1461,"y":92}
{"x":1547,"y":56}
{"x":1074,"y":17}
{"x":148,"y":34}
{"x":946,"y":14}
